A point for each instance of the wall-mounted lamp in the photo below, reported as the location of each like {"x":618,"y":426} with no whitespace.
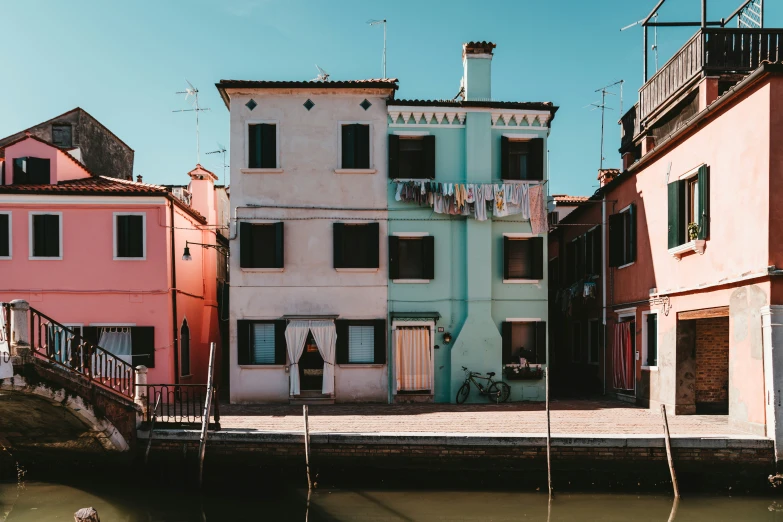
{"x":186,"y":253}
{"x":447,"y":338}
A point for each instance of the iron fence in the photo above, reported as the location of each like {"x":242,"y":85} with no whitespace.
{"x":179,"y":403}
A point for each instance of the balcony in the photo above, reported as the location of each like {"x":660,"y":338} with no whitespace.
{"x":710,"y":52}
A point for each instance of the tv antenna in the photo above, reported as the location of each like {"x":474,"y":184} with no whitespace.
{"x":378,"y":22}
{"x":188,"y":92}
{"x":323,"y":76}
{"x":221,"y":150}
{"x":602,"y":105}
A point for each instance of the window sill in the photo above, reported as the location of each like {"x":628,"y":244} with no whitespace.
{"x":411,"y":281}
{"x":5,"y":258}
{"x":625,"y":265}
{"x":696,"y":245}
{"x":262,"y":366}
{"x":355,"y":171}
{"x":357,"y":270}
{"x":39,"y":258}
{"x":261,"y":171}
{"x":360,"y":365}
{"x":130,"y":258}
{"x":650,"y":368}
{"x":274,"y":270}
{"x":521,"y":281}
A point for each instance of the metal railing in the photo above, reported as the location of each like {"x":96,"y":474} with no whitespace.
{"x":67,"y":349}
{"x":179,"y":403}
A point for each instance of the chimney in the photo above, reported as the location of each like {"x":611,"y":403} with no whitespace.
{"x":607,"y":175}
{"x":202,"y":190}
{"x":138,"y":178}
{"x":477,"y":74}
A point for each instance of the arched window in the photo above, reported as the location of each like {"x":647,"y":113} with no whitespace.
{"x":184,"y":345}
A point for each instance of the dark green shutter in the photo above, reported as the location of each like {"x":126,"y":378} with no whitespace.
{"x":279,"y":245}
{"x":135,"y":237}
{"x":254,"y":145}
{"x":122,"y":236}
{"x":372,"y":240}
{"x":38,"y":171}
{"x":541,"y":342}
{"x":243,"y":342}
{"x":268,"y":146}
{"x":337,"y":241}
{"x":349,"y":147}
{"x":704,"y":202}
{"x":504,"y":163}
{"x":428,"y":253}
{"x":616,"y":240}
{"x":341,"y":345}
{"x":90,"y":334}
{"x":143,"y":346}
{"x":535,"y":159}
{"x":631,"y":257}
{"x":380,"y":341}
{"x":676,"y":208}
{"x":505,"y":332}
{"x":652,"y":340}
{"x":245,"y":245}
{"x":394,"y":257}
{"x":362,"y":147}
{"x":280,"y":344}
{"x":20,"y":176}
{"x":52,"y":235}
{"x":394,"y":156}
{"x":536,"y":257}
{"x":5,"y":237}
{"x":427,"y":169}
{"x":506,"y":255}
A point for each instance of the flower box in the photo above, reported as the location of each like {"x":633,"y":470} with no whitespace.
{"x":517,"y":372}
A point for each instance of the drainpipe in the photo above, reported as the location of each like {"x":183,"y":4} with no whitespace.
{"x":603,"y":277}
{"x":174,"y":294}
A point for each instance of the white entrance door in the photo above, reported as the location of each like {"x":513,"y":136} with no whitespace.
{"x":413,"y":358}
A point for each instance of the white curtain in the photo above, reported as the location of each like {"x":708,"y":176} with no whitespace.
{"x":412,"y":359}
{"x":116,"y":341}
{"x":295,"y":338}
{"x":6,"y":369}
{"x":325,"y":336}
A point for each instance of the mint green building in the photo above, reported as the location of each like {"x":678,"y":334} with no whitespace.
{"x":480,"y":280}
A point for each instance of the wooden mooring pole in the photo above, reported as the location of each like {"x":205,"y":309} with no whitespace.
{"x":202,"y":444}
{"x":548,"y":439}
{"x":152,"y":427}
{"x":669,"y":451}
{"x":307,"y":448}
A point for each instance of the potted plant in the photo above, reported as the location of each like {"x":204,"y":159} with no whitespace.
{"x":520,"y":372}
{"x":693,"y":231}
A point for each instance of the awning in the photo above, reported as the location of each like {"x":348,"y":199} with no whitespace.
{"x":415,"y":315}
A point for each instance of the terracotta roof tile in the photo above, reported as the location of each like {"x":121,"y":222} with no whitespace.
{"x":566,"y":199}
{"x":335,"y":84}
{"x":95,"y":184}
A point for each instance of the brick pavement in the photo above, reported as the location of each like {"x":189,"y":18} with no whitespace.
{"x":569,"y":417}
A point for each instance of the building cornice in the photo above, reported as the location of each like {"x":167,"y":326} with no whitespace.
{"x":509,"y":118}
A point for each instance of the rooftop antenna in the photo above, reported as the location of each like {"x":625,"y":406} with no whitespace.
{"x":221,"y":150}
{"x":188,"y":92}
{"x":378,"y":22}
{"x":323,"y":76}
{"x":602,"y":105}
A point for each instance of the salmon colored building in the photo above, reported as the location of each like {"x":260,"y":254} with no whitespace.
{"x":104,"y":257}
{"x":686,"y":306}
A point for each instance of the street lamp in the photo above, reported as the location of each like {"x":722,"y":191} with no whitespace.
{"x":186,"y":253}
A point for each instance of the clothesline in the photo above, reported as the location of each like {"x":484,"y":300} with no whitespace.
{"x":493,"y":181}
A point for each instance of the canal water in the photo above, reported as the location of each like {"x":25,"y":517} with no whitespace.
{"x":43,"y":502}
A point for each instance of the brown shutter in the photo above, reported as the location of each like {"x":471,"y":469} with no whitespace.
{"x":616,"y":235}
{"x":541,"y":342}
{"x":268,"y":146}
{"x":506,"y":255}
{"x":394,"y":257}
{"x":631,"y":231}
{"x":505,"y":332}
{"x":372,"y":239}
{"x":279,"y":245}
{"x":535,"y":159}
{"x":143,"y":346}
{"x":280,"y":344}
{"x":504,"y":163}
{"x":536,"y":257}
{"x":349,"y":147}
{"x":427,"y":169}
{"x":254,"y":146}
{"x":394,"y":156}
{"x":362,"y":144}
{"x":341,"y":345}
{"x":380,"y":341}
{"x":337,"y":242}
{"x":243,"y":342}
{"x":428,"y":254}
{"x":245,"y":245}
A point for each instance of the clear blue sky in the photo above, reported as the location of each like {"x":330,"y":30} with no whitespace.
{"x":123,"y":61}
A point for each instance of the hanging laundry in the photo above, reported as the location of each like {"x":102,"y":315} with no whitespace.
{"x":538,"y":222}
{"x":481,"y":204}
{"x":500,"y":209}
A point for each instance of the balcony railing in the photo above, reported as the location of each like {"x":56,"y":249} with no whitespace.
{"x":709,"y":52}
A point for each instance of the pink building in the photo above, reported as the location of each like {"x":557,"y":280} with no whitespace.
{"x":104,"y":256}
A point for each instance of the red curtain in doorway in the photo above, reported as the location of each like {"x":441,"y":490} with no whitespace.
{"x":622,"y":357}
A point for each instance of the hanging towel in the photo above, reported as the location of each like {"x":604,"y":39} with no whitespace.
{"x":470,"y":196}
{"x":538,"y":222}
{"x":481,"y":204}
{"x":500,"y":209}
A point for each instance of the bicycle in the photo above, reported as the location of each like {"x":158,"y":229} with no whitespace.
{"x":497,"y":391}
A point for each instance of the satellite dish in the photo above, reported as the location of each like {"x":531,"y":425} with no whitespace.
{"x":323,"y":76}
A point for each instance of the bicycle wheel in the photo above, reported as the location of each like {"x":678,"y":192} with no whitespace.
{"x":499,"y":392}
{"x":462,"y":394}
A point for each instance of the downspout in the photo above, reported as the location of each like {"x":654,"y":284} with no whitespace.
{"x":603,"y":277}
{"x":174,"y":294}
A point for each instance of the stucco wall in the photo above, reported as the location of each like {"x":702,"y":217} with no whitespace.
{"x":308,"y":156}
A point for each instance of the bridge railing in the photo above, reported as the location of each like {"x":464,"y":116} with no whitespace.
{"x":179,"y":403}
{"x":66,"y":348}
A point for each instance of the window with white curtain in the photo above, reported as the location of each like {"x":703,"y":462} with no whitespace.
{"x":361,"y":344}
{"x":263,"y":339}
{"x":117,"y":341}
